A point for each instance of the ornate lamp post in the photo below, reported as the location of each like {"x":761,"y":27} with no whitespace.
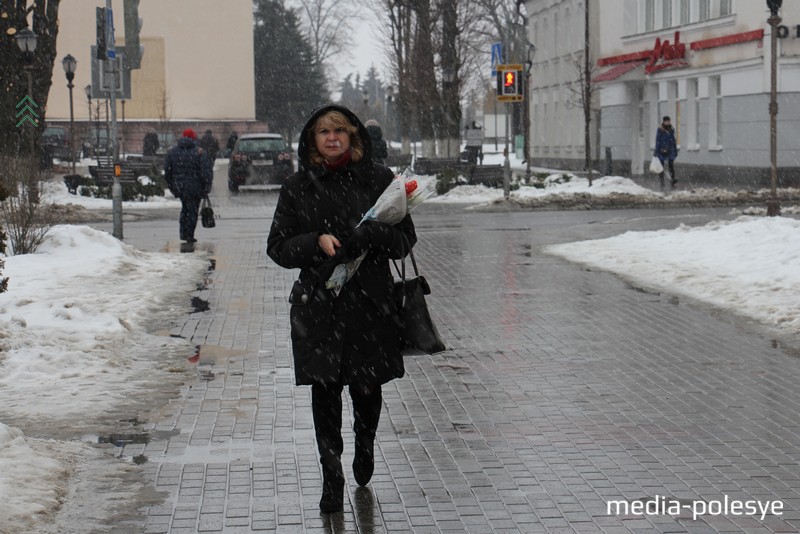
{"x":389,"y":98}
{"x":773,"y":207}
{"x":26,"y":41}
{"x":70,"y":64}
{"x":448,"y":77}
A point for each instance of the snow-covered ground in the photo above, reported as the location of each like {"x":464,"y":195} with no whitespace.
{"x":748,"y":266}
{"x":77,"y":346}
{"x":76,"y":324}
{"x":611,"y":189}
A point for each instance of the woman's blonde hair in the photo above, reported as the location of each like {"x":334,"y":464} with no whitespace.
{"x":334,"y":120}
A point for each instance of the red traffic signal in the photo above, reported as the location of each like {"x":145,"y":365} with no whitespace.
{"x":510,"y":83}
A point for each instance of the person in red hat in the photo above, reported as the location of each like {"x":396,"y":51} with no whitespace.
{"x":189,"y":176}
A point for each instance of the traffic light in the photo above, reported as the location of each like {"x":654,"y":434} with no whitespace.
{"x":102,"y":45}
{"x":510,"y":82}
{"x":133,"y":25}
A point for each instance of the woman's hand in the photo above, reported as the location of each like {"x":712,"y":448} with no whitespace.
{"x":328,"y":244}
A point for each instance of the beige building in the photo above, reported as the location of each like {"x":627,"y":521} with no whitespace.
{"x":197,"y":68}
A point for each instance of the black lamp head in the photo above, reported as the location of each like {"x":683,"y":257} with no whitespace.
{"x":774,"y":6}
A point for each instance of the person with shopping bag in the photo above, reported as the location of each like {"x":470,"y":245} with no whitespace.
{"x":189,"y":176}
{"x":350,"y":337}
{"x":666,"y":151}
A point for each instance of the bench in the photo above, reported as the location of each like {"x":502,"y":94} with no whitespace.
{"x":104,"y":175}
{"x":398,"y":160}
{"x":488,"y":175}
{"x":429,"y":166}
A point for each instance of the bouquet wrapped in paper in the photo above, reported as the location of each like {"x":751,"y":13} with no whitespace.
{"x":403,"y":194}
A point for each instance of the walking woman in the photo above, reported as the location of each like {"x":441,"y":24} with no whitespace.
{"x":351,"y":338}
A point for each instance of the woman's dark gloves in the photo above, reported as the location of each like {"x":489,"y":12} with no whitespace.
{"x":368,"y":235}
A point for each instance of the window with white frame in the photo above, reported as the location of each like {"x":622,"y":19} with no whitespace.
{"x":685,"y":15}
{"x":649,"y":15}
{"x":693,"y":113}
{"x":714,"y":113}
{"x":704,"y":10}
{"x":666,"y":13}
{"x":658,"y":14}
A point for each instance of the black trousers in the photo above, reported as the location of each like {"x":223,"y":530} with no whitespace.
{"x":668,"y":163}
{"x":326,"y":405}
{"x":190,"y":207}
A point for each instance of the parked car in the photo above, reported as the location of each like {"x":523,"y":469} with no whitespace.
{"x":166,"y":140}
{"x":258,"y":159}
{"x":95,"y":143}
{"x":55,"y":143}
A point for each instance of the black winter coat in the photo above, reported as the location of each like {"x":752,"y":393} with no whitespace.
{"x":352,"y":338}
{"x":187,"y":170}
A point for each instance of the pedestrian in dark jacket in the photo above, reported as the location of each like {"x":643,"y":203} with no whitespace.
{"x":189,"y":175}
{"x":210,"y":144}
{"x":231,"y":143}
{"x":351,"y":339}
{"x":150,"y":144}
{"x":666,"y":150}
{"x":379,"y":149}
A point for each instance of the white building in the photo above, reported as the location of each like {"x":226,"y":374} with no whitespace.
{"x":706,"y":64}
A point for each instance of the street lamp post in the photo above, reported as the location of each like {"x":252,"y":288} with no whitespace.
{"x":88,"y":91}
{"x":448,"y":77}
{"x":389,"y":126}
{"x":773,"y":207}
{"x":26,"y":41}
{"x":70,"y":64}
{"x":365,"y":99}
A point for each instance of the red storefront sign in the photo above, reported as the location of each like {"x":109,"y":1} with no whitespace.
{"x":665,"y":55}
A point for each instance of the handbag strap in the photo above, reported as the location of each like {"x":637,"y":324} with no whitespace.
{"x":402,"y":272}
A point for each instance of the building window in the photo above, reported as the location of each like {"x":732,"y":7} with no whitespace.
{"x":685,"y":14}
{"x":649,"y":15}
{"x":724,"y":8}
{"x":666,"y":13}
{"x":704,"y":11}
{"x":693,"y":104}
{"x":714,"y":113}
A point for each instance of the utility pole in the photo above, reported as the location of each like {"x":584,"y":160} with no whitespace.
{"x":116,"y":188}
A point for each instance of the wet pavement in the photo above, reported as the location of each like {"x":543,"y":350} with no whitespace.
{"x":564,"y":388}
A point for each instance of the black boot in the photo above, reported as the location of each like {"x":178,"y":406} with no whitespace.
{"x":332,"y":486}
{"x":326,"y":405}
{"x":367,"y":413}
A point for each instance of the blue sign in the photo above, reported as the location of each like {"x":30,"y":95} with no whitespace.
{"x":497,"y":57}
{"x":111,"y":51}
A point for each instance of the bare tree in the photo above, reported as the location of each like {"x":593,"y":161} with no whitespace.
{"x":583,"y":91}
{"x":327,"y":26}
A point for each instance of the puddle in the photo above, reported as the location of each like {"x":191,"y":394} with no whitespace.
{"x":131,"y":438}
{"x":213,"y":355}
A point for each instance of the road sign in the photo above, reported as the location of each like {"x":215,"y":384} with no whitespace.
{"x":26,"y":113}
{"x":497,"y":57}
{"x":510,"y":86}
{"x":101,"y":80}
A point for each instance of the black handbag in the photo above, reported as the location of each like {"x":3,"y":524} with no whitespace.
{"x":207,"y":213}
{"x":418,"y":331}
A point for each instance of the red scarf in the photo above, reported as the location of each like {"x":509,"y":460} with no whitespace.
{"x":337,"y":164}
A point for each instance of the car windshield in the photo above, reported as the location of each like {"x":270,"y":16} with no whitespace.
{"x":54,"y":132}
{"x":261,"y":145}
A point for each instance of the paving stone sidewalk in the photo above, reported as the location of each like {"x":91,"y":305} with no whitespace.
{"x":563,"y":389}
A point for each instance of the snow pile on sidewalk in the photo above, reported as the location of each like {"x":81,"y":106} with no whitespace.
{"x":553,"y":187}
{"x":563,"y":190}
{"x":75,"y":347}
{"x":57,"y":193}
{"x":747,"y":266}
